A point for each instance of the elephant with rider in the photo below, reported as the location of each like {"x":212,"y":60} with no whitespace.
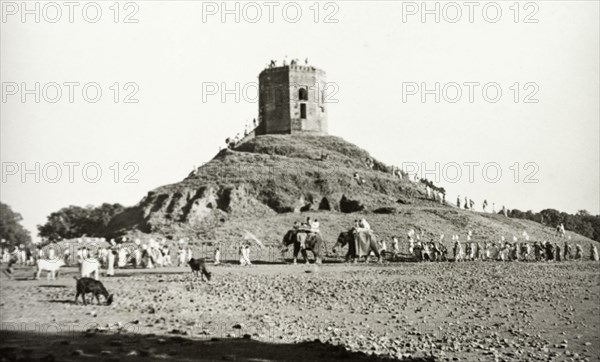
{"x":360,"y":243}
{"x":303,"y":240}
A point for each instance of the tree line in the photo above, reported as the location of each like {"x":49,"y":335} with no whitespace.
{"x":581,"y":222}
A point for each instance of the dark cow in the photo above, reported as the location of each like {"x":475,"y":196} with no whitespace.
{"x":198,"y":265}
{"x":89,"y":285}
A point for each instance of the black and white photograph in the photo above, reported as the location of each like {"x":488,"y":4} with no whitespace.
{"x":303,"y":180}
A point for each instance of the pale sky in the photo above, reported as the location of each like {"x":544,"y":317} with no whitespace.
{"x":370,"y":55}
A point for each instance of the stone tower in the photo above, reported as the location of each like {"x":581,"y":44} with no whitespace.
{"x":292,"y":100}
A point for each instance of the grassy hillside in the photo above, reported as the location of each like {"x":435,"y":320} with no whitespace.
{"x":266,"y":176}
{"x":268,"y":182}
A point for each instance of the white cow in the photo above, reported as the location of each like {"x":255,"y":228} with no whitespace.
{"x":51,"y":266}
{"x":90,"y":266}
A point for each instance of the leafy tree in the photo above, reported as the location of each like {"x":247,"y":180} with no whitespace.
{"x":11,"y":229}
{"x":551,"y":217}
{"x":75,"y":221}
{"x":529,"y":215}
{"x":516,"y":213}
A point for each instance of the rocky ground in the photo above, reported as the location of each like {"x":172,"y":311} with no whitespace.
{"x":489,"y":311}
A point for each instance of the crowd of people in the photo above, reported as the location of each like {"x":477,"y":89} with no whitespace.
{"x":149,"y":254}
{"x":19,"y":255}
{"x":137,"y":254}
{"x":420,"y":249}
{"x":501,"y":250}
{"x":295,"y":61}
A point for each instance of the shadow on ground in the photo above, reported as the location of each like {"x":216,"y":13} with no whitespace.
{"x":17,"y":345}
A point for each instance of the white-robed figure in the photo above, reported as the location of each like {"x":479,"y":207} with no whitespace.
{"x":472,"y":246}
{"x":166,"y":255}
{"x":245,"y":254}
{"x":411,"y":246}
{"x":593,"y":252}
{"x":181,"y":257}
{"x":103,"y":255}
{"x":395,"y":245}
{"x":504,"y":249}
{"x":147,"y":257}
{"x":110,"y":269}
{"x":487,"y":250}
{"x":40,"y":254}
{"x":411,"y":242}
{"x":122,"y":258}
{"x":137,"y":257}
{"x":137,"y":253}
{"x":458,"y":249}
{"x":80,"y":258}
{"x":498,"y":245}
{"x":217,"y":256}
{"x":527,"y":252}
{"x":314,"y":226}
{"x":156,"y":253}
{"x":158,"y":257}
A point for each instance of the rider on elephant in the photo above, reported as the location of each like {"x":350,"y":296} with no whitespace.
{"x":361,"y":242}
{"x":360,"y":226}
{"x":304,"y":239}
{"x":307,"y":227}
{"x":363,"y":225}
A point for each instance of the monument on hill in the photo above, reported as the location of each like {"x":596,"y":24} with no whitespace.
{"x":292,"y":100}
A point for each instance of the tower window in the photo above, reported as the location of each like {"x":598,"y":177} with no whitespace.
{"x":303,"y":94}
{"x":302,"y":111}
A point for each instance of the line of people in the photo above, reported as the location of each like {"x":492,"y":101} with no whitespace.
{"x":502,"y":250}
{"x":469,"y":204}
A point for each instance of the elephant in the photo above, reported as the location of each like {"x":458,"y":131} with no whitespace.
{"x":359,"y":244}
{"x":311,"y":240}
